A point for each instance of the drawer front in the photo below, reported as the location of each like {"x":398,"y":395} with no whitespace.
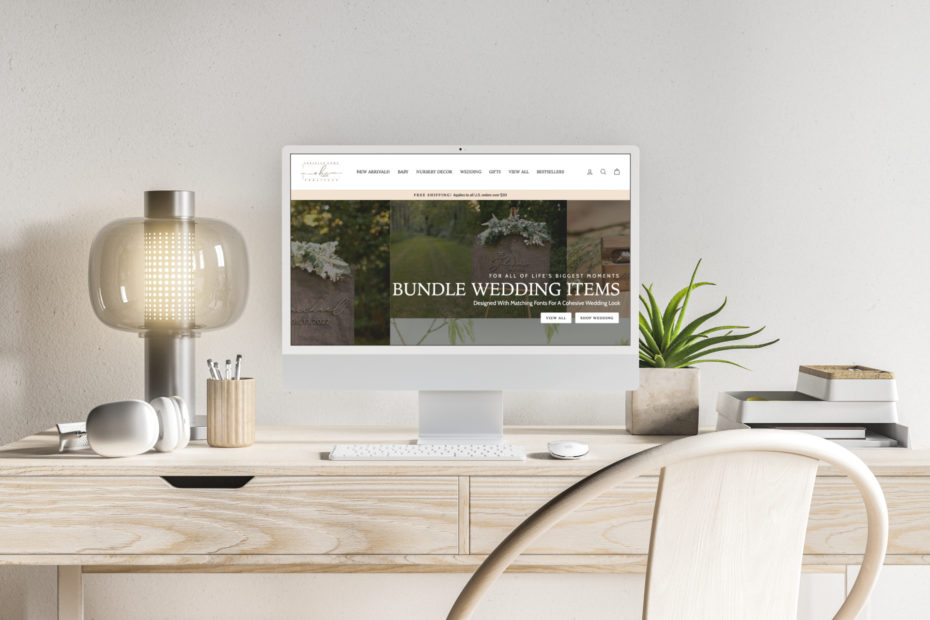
{"x":619,"y":522}
{"x":272,"y":515}
{"x":838,"y":524}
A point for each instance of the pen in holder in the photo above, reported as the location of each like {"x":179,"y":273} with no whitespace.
{"x":230,"y":412}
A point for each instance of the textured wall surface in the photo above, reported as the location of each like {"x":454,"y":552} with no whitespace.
{"x":785,"y":143}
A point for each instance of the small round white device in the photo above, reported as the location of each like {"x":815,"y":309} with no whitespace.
{"x":567,"y":449}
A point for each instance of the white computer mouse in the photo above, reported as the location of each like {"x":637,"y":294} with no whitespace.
{"x":567,"y":449}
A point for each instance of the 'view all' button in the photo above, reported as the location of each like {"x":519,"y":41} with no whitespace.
{"x":555,"y":317}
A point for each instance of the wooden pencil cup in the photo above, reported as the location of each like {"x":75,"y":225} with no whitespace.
{"x":230,"y":412}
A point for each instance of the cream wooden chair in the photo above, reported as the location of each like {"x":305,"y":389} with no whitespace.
{"x":728,"y":529}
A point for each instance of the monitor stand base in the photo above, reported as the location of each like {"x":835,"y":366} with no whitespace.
{"x":461,"y":417}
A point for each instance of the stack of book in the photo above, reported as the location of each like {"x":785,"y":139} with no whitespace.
{"x":855,"y":406}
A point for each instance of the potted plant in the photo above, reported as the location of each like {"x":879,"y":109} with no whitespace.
{"x":668,"y":397}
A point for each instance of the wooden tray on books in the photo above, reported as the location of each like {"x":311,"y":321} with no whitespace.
{"x":847,"y":382}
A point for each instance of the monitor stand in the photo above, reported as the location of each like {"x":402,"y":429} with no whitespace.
{"x":461,"y":417}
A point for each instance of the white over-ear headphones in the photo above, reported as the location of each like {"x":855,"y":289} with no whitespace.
{"x":130,"y":427}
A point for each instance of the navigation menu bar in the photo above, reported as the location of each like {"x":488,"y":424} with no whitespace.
{"x":606,"y":172}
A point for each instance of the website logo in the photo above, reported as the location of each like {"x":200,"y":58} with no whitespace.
{"x":323,"y":171}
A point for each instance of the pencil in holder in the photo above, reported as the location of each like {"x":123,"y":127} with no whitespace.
{"x":230,"y":412}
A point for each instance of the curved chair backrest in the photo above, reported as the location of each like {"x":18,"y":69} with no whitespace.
{"x":728,"y":529}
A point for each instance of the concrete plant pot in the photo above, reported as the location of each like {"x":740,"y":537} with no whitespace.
{"x":666,"y":403}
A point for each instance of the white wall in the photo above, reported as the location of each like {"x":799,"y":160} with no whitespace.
{"x":786,"y":143}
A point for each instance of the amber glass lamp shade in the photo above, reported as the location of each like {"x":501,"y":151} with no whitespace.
{"x":168,"y":276}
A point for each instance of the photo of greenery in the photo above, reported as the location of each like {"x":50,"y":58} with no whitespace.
{"x":588,"y":222}
{"x":432,"y":241}
{"x":362,"y":230}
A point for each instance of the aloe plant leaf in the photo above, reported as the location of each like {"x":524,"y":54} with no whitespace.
{"x":655,"y":319}
{"x":701,"y":361}
{"x":667,"y":340}
{"x":684,"y":338}
{"x":720,"y":328}
{"x":671,"y":310}
{"x":691,"y":359}
{"x":646,"y":333}
{"x":702,"y":345}
{"x":684,"y":304}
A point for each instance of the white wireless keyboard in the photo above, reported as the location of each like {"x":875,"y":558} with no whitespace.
{"x":426,"y":452}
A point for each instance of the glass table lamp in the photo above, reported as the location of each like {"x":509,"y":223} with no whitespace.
{"x":168,"y":276}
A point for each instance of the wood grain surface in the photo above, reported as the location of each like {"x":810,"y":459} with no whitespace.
{"x":620,"y":521}
{"x":727,"y":535}
{"x":846,"y":372}
{"x":303,"y":512}
{"x":127,"y":515}
{"x":304,"y":451}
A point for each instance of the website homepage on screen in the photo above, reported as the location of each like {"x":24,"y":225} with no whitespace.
{"x":460,"y":249}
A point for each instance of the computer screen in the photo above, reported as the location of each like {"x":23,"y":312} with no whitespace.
{"x":460,"y":272}
{"x":458,"y":248}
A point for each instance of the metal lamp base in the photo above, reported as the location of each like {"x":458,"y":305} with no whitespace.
{"x":169,"y":371}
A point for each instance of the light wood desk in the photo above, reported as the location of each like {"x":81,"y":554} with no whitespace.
{"x":296,"y":511}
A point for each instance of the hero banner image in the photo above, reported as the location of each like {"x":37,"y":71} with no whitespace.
{"x":460,"y":272}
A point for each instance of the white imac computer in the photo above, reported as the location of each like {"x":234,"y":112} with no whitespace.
{"x":460,"y":272}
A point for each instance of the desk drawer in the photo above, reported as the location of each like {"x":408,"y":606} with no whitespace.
{"x":837,"y":523}
{"x":620,"y":521}
{"x":270,"y":515}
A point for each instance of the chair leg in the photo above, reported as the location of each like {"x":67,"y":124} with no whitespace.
{"x":852,"y":571}
{"x":70,"y":593}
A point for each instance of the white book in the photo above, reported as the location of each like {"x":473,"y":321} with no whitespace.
{"x":829,"y":432}
{"x":871,"y":440}
{"x":876,"y":435}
